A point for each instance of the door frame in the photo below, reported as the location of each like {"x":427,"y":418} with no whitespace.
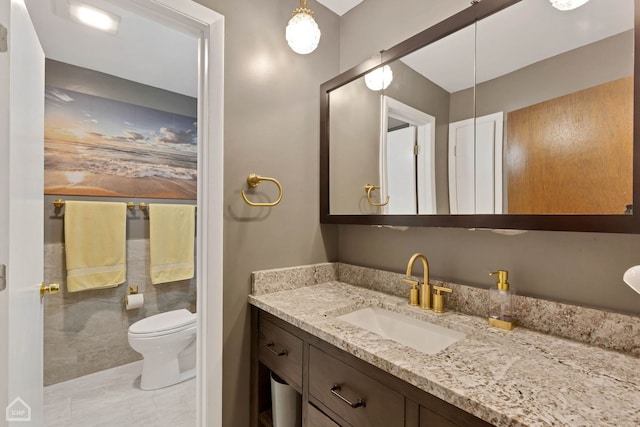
{"x":426,"y":135}
{"x":208,"y":26}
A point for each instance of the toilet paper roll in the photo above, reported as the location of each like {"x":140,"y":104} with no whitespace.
{"x":134,"y":301}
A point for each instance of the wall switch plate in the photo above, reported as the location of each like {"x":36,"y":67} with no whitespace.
{"x":3,"y":277}
{"x":3,"y":38}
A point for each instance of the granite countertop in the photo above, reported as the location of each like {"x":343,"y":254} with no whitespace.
{"x":508,"y":378}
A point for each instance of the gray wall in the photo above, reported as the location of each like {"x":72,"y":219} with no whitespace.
{"x":354,"y":159}
{"x":86,"y":332}
{"x":580,"y":268}
{"x":271,"y":110}
{"x":380,"y":24}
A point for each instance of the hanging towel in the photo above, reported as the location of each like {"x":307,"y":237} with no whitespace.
{"x":95,"y":244}
{"x":171,"y":234}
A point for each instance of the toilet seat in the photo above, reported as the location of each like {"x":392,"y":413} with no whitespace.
{"x":163,"y":324}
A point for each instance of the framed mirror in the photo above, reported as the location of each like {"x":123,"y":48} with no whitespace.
{"x":491,"y":119}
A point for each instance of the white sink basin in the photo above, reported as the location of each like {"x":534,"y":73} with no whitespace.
{"x":423,"y":336}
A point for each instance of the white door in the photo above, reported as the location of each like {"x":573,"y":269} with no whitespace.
{"x":21,"y":208}
{"x":401,"y":171}
{"x":475,"y":165}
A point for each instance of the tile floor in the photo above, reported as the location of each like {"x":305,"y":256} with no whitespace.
{"x":112,"y":398}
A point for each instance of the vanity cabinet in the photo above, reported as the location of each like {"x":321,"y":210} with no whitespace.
{"x":337,"y":388}
{"x":356,"y":397}
{"x":281,"y":352}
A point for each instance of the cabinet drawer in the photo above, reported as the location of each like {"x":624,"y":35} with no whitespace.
{"x":431,"y":419}
{"x":315,"y":418}
{"x":352,"y":395}
{"x":281,"y":352}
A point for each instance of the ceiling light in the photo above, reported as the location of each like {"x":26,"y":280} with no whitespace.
{"x":302,"y":33}
{"x":379,"y":79}
{"x":567,"y":4}
{"x":94,"y":17}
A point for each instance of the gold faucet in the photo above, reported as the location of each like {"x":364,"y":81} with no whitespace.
{"x":422,"y":298}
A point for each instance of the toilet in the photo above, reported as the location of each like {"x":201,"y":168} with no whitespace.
{"x":167,"y":342}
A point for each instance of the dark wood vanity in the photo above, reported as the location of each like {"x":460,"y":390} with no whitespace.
{"x":337,"y":388}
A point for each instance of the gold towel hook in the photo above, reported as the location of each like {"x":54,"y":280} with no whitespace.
{"x":369,"y":188}
{"x":253,"y":180}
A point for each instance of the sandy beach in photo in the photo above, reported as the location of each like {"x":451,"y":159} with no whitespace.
{"x":147,"y":187}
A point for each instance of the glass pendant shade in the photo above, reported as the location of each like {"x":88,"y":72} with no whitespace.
{"x":302,"y":33}
{"x":379,"y":79}
{"x":567,"y":4}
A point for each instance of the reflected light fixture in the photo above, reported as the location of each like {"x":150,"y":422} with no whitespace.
{"x":567,"y":4}
{"x":379,"y":79}
{"x":302,"y":33}
{"x":94,"y":17}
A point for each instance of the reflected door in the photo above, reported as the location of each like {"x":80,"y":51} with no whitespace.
{"x":475,"y":165}
{"x":401,"y":171}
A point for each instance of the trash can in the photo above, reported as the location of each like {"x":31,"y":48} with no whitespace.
{"x":286,"y":404}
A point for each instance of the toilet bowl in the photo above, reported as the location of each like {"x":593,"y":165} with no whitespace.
{"x":167,"y":342}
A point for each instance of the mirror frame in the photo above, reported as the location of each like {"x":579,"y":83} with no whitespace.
{"x":557,"y":222}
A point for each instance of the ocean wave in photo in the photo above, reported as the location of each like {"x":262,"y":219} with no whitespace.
{"x":66,"y":158}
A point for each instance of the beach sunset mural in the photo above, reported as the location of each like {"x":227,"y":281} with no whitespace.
{"x":96,"y":146}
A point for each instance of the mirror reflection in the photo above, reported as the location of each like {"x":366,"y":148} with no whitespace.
{"x":529,"y":111}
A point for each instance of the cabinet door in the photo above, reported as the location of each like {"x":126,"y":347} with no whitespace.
{"x":352,"y":395}
{"x":455,"y":417}
{"x":281,"y":352}
{"x":315,"y":418}
{"x":431,"y":419}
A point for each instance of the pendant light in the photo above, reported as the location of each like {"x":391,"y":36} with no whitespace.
{"x":302,"y":33}
{"x":567,"y":4}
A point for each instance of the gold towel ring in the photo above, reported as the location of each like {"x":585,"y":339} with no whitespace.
{"x":253,"y":180}
{"x":369,"y":188}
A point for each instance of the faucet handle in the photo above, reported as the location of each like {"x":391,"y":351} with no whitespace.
{"x":413,"y":283}
{"x":438,"y":299}
{"x":413,"y":292}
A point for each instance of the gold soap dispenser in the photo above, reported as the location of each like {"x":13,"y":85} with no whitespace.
{"x":502,"y":313}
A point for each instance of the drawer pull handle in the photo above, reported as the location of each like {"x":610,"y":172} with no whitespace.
{"x":335,"y":391}
{"x":272,"y":348}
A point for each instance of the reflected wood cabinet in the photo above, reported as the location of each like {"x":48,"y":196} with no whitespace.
{"x":337,"y":388}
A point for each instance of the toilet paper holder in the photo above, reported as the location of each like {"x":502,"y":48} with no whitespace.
{"x":133,"y":290}
{"x":133,"y":299}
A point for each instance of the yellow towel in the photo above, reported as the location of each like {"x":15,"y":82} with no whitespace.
{"x":95,"y":244}
{"x":171,"y":234}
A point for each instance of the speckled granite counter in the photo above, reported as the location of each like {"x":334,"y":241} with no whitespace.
{"x":508,"y":378}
